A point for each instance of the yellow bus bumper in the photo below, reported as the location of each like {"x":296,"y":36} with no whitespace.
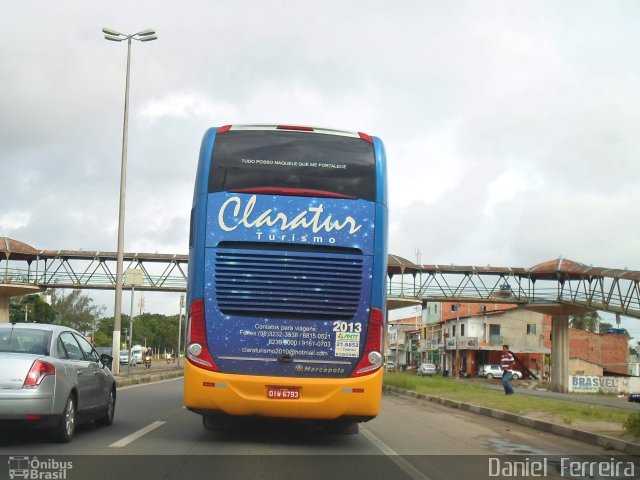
{"x":246,"y":395}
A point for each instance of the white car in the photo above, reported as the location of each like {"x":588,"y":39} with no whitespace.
{"x":124,"y":358}
{"x":428,"y":369}
{"x":495,"y":371}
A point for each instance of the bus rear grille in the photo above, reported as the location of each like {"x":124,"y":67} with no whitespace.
{"x":288,"y":284}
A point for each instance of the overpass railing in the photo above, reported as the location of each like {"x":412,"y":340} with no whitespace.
{"x":169,"y":273}
{"x":612,"y":294}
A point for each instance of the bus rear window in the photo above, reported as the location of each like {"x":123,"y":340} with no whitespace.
{"x":256,"y":159}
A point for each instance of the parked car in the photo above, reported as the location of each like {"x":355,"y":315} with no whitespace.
{"x":426,"y":369}
{"x":634,"y":397}
{"x":494,"y":371}
{"x":390,"y":367}
{"x":52,"y":378}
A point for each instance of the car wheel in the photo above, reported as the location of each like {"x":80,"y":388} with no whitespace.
{"x":516,"y":376}
{"x":490,"y":376}
{"x":107,"y":418}
{"x":63,"y":432}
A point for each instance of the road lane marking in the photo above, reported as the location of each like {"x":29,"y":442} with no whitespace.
{"x":409,"y":469}
{"x":136,"y":435}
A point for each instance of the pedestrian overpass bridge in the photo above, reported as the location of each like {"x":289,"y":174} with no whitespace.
{"x":557,"y":287}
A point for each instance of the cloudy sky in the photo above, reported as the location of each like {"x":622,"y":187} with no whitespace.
{"x":510,"y":127}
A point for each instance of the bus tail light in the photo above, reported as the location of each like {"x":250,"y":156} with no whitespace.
{"x":197,"y":349}
{"x":372,"y":358}
{"x":224,"y":129}
{"x":298,"y":128}
{"x":365,"y":137}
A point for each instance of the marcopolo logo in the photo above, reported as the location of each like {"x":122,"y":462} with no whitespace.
{"x":318,"y":370}
{"x":37,"y":469}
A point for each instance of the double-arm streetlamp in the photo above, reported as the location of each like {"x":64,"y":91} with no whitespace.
{"x":115,"y":36}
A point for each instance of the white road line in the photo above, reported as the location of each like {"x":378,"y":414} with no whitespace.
{"x":136,"y":435}
{"x":409,"y":469}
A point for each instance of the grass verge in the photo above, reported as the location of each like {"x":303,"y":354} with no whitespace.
{"x":569,"y":413}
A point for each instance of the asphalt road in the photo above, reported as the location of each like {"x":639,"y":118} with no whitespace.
{"x":154,"y":436}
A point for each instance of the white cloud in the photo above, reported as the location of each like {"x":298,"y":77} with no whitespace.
{"x":510,"y":129}
{"x":14,"y":220}
{"x":506,"y":187}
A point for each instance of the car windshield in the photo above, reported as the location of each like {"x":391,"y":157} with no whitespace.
{"x":25,"y":340}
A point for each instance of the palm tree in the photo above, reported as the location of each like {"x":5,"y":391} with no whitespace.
{"x":585,"y":321}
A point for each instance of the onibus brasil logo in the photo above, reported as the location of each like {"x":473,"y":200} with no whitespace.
{"x":36,"y":469}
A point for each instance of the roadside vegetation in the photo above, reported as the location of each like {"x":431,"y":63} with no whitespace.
{"x":561,"y":411}
{"x":77,"y":310}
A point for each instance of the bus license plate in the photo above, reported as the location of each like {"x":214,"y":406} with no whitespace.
{"x":285,"y":393}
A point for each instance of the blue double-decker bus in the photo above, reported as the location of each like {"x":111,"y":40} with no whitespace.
{"x":287,"y":269}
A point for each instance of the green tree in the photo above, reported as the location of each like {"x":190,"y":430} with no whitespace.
{"x":585,"y":321}
{"x":33,"y":308}
{"x":604,"y":326}
{"x":76,"y":311}
{"x":157,"y":331}
{"x":104,"y":326}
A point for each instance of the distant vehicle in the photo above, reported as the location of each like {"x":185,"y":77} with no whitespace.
{"x":634,"y":397}
{"x":426,"y":369}
{"x":52,"y":378}
{"x":147,"y":359}
{"x":124,"y":357}
{"x":136,"y":354}
{"x":390,"y":367}
{"x":494,"y":371}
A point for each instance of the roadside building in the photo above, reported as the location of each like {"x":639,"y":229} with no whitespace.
{"x":609,"y":351}
{"x":469,"y":335}
{"x":403,"y":337}
{"x":473,"y":335}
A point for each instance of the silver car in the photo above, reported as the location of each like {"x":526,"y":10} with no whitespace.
{"x":427,"y":369}
{"x":51,"y":377}
{"x":491,"y":371}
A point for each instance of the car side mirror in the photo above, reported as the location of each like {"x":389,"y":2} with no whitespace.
{"x":106,"y":359}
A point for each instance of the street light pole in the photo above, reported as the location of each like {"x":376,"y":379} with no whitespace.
{"x":456,"y":365}
{"x":180,"y":326}
{"x":115,"y":36}
{"x":133,"y":277}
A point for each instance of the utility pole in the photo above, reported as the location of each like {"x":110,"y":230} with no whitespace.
{"x":456,"y":308}
{"x":180,"y":328}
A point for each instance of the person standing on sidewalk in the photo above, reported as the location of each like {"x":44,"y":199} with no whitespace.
{"x":506,"y":362}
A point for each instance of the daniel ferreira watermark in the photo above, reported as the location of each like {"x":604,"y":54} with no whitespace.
{"x":559,"y":466}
